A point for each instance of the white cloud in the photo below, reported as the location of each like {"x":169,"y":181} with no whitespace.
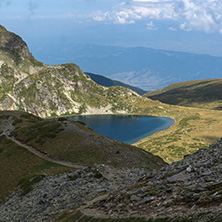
{"x":122,"y":17}
{"x":136,"y":10}
{"x":200,"y":15}
{"x":172,"y":28}
{"x":151,"y":26}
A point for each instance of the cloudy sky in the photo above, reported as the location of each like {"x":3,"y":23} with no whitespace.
{"x":181,"y":25}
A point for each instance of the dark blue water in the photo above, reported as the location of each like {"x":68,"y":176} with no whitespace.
{"x":126,"y":128}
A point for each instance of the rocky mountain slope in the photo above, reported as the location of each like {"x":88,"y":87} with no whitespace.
{"x":188,"y":190}
{"x":43,"y":90}
{"x":104,"y":81}
{"x":200,"y":93}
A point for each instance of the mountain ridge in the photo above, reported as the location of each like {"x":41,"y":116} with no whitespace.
{"x":107,"y":82}
{"x":200,"y":93}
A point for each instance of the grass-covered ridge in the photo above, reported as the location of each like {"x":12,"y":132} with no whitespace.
{"x":199,"y":93}
{"x":104,"y":81}
{"x":75,"y":142}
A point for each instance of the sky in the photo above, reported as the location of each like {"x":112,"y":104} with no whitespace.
{"x":180,"y":25}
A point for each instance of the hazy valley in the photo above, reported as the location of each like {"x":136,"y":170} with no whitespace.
{"x":146,"y":68}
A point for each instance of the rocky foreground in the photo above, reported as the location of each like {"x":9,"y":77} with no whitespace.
{"x":55,"y":194}
{"x":190,"y":188}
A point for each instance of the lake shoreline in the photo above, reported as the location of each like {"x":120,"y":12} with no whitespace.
{"x":129,"y":131}
{"x":119,"y":114}
{"x":174,"y":121}
{"x":112,"y":114}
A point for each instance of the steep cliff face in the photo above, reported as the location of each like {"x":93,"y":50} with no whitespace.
{"x":13,"y":46}
{"x":27,"y":84}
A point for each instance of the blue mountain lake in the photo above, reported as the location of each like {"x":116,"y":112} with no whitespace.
{"x":126,"y":128}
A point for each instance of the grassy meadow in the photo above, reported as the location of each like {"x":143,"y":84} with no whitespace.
{"x":194,"y":128}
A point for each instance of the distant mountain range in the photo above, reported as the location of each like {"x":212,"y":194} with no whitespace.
{"x":201,"y":93}
{"x":146,"y":68}
{"x":104,"y":81}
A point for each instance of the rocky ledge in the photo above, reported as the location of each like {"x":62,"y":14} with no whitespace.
{"x":190,"y":188}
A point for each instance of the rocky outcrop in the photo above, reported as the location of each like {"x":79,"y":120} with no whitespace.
{"x":13,"y":45}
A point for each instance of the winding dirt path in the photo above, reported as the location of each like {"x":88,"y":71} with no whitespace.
{"x":43,"y":155}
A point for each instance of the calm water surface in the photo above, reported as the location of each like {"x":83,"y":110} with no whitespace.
{"x":126,"y":128}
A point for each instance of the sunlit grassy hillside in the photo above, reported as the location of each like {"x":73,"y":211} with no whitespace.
{"x":200,"y":93}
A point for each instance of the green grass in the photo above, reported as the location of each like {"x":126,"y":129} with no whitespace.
{"x":17,"y":165}
{"x":78,"y":216}
{"x":86,"y":147}
{"x":29,"y":117}
{"x":36,"y":131}
{"x":62,"y":119}
{"x":185,"y":121}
